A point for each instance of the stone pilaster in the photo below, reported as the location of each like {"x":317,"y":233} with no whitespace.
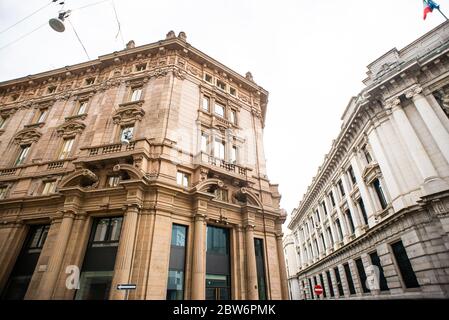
{"x":199,"y":258}
{"x":282,"y":267}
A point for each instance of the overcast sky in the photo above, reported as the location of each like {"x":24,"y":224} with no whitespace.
{"x":310,"y":55}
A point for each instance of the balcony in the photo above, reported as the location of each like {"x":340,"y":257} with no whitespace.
{"x":112,"y":151}
{"x":222,"y":165}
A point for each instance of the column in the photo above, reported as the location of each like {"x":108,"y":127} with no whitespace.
{"x":251,"y":269}
{"x":432,"y":182}
{"x":59,"y":248}
{"x":199,"y":258}
{"x":123,"y":263}
{"x":436,"y":128}
{"x":282,"y":267}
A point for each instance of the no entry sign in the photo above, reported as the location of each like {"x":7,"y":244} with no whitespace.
{"x":318,"y":289}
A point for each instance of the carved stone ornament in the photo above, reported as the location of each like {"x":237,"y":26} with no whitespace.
{"x":392,"y":103}
{"x":72,"y":127}
{"x":129,"y":113}
{"x":371,"y":172}
{"x":414,"y":91}
{"x":26,"y":136}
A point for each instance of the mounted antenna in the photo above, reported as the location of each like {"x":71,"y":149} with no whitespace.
{"x":57,"y":24}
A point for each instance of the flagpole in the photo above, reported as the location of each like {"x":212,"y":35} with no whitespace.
{"x":443,"y":14}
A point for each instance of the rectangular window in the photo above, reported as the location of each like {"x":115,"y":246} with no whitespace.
{"x":206,"y":103}
{"x":176,"y":268}
{"x":90,"y":81}
{"x":350,"y":221}
{"x":234,"y":154}
{"x":126,"y":134}
{"x":322,"y":240}
{"x":183,"y":179}
{"x":329,"y":235}
{"x":113,"y":181}
{"x":219,"y":149}
{"x":66,"y":148}
{"x":317,"y":248}
{"x":221,"y":85}
{"x":260,"y":265}
{"x":362,"y":274}
{"x":375,"y":260}
{"x":82,"y":108}
{"x":136,"y":93}
{"x":380,"y":193}
{"x":331,"y":196}
{"x":221,"y":194}
{"x":204,"y":142}
{"x":3,"y":192}
{"x":363,"y":211}
{"x":349,"y":278}
{"x":329,"y":283}
{"x":141,"y":67}
{"x":41,"y":117}
{"x":405,"y":267}
{"x":340,"y":231}
{"x":339,"y":284}
{"x":219,"y":109}
{"x":322,"y":285}
{"x":233,"y":117}
{"x":352,"y":176}
{"x":317,"y":212}
{"x":51,"y":90}
{"x":107,"y":232}
{"x":22,"y":155}
{"x":340,"y":187}
{"x":233,"y":91}
{"x":311,"y":289}
{"x":49,"y":187}
{"x":323,"y":205}
{"x":208,"y":78}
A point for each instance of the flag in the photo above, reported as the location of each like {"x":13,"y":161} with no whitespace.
{"x":429,"y":5}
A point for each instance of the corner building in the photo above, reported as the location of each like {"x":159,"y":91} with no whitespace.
{"x":144,"y":166}
{"x":374,"y":222}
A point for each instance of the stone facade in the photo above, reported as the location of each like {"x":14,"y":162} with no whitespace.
{"x":61,"y":141}
{"x":373,"y":224}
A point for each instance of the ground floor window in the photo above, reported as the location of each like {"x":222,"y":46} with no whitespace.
{"x":260,"y":264}
{"x":175,"y":284}
{"x":405,"y":267}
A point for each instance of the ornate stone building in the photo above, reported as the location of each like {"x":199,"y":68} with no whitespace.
{"x":374,"y":222}
{"x":144,"y":167}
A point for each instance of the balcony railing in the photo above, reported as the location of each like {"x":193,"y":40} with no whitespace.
{"x":110,"y":148}
{"x":220,"y":163}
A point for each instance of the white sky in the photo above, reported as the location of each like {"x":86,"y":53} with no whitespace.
{"x":310,"y":55}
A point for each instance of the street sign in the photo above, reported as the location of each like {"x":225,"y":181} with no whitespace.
{"x":126,"y":287}
{"x":318,"y":289}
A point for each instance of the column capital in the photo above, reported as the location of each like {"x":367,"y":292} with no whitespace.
{"x":200,"y":217}
{"x":131,"y":207}
{"x":413,"y":92}
{"x":249,"y":227}
{"x":393,"y":103}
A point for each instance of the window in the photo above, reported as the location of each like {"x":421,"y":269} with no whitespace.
{"x":405,"y":267}
{"x":232,"y":91}
{"x":90,"y":81}
{"x":362,"y":274}
{"x":234,"y":153}
{"x":136,"y":94}
{"x":113,"y":181}
{"x":367,"y":155}
{"x":352,"y":176}
{"x":317,"y":212}
{"x":126,"y":133}
{"x":350,"y":221}
{"x":221,"y":85}
{"x":380,"y":193}
{"x":349,"y":278}
{"x":14,"y":97}
{"x":221,"y":194}
{"x":339,"y":284}
{"x":322,"y":285}
{"x":175,"y":283}
{"x":323,"y":205}
{"x":233,"y":117}
{"x":22,"y":155}
{"x":218,"y":271}
{"x":49,"y":187}
{"x":340,"y":231}
{"x":219,"y":109}
{"x":204,"y":142}
{"x":183,"y":179}
{"x":331,"y":196}
{"x":141,"y":67}
{"x":3,"y":192}
{"x":206,"y":103}
{"x":317,"y":247}
{"x":208,"y":78}
{"x":107,"y":232}
{"x":51,"y":90}
{"x":219,"y":149}
{"x":82,"y":107}
{"x":311,"y":289}
{"x":66,"y":148}
{"x":376,"y":261}
{"x":329,"y":235}
{"x":340,"y":187}
{"x":322,"y":240}
{"x":260,"y":266}
{"x":2,"y":122}
{"x":363,"y":211}
{"x":41,"y":117}
{"x":329,"y":282}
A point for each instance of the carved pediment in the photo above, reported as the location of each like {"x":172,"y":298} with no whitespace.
{"x":128,"y":113}
{"x":71,"y":127}
{"x":28,"y":135}
{"x":371,"y":172}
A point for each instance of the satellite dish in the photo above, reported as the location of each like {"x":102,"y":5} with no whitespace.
{"x":57,"y":24}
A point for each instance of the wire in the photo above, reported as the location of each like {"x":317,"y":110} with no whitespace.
{"x":90,"y":5}
{"x":119,"y":32}
{"x":84,"y":48}
{"x":25,"y":35}
{"x":23,"y":19}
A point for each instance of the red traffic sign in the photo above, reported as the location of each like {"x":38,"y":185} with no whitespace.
{"x":318,"y":289}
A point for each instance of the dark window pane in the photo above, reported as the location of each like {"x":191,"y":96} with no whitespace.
{"x":94,"y":285}
{"x":260,"y":264}
{"x":339,"y":284}
{"x":349,"y":278}
{"x":382,"y":281}
{"x":363,"y":210}
{"x":380,"y":193}
{"x":322,"y":284}
{"x":405,"y":267}
{"x":311,"y":289}
{"x":350,"y":221}
{"x":362,"y":274}
{"x":329,"y":282}
{"x":217,"y":239}
{"x":175,"y":285}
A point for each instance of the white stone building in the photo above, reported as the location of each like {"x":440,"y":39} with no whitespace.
{"x":374,"y":222}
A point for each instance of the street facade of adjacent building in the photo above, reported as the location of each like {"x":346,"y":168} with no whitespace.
{"x":374,"y":222}
{"x":144,"y":167}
